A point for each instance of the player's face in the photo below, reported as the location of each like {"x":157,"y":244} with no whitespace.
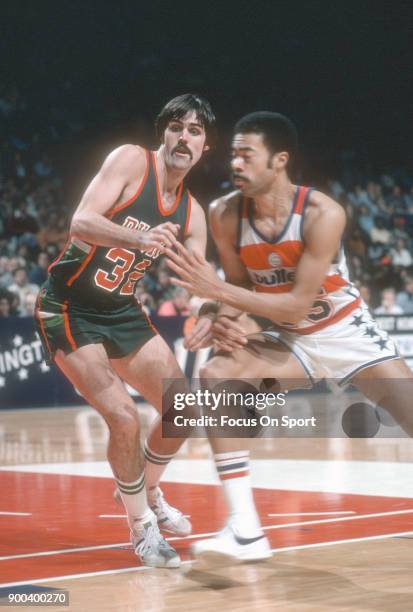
{"x":251,"y":163}
{"x":184,"y":142}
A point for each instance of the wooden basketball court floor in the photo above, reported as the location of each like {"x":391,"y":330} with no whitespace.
{"x":338,"y":513}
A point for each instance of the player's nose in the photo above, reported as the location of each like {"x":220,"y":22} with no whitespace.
{"x":237,"y":163}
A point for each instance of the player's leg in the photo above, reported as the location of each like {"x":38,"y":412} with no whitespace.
{"x":146,"y":370}
{"x":390,"y":385}
{"x":243,"y":537}
{"x":89,"y":370}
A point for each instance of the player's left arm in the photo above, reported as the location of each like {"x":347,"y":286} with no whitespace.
{"x":324,"y":226}
{"x":195,"y":238}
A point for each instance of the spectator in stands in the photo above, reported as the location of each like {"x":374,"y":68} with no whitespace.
{"x":360,"y":199}
{"x":396,"y":201}
{"x":43,"y":167}
{"x":54,"y":232}
{"x":405,"y":298}
{"x":400,"y":256}
{"x":177,"y":305}
{"x":375,"y":252}
{"x":388,"y":304}
{"x":356,"y":243}
{"x":365,"y":220}
{"x":28,"y":305}
{"x":6,"y":303}
{"x":38,"y":273}
{"x":408,"y":199}
{"x":365,"y":294}
{"x":379,"y":232}
{"x":20,"y":222}
{"x":145,"y":299}
{"x":21,"y":286}
{"x":8,"y":266}
{"x":161,"y":289}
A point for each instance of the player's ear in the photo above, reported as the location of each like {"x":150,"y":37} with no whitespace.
{"x":281,"y":159}
{"x":206,"y":147}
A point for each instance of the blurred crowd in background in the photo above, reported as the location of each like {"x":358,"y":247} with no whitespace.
{"x":35,"y":211}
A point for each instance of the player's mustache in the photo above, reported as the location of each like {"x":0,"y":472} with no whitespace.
{"x":241,"y":176}
{"x":181,"y":148}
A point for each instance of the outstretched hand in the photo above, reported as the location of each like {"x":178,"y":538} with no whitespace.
{"x":200,"y":335}
{"x":195,"y":273}
{"x":228,"y":335}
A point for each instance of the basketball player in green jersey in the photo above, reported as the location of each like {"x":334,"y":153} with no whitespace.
{"x":94,"y":329}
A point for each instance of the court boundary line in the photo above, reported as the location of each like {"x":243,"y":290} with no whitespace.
{"x":144,"y":567}
{"x":193,"y":536}
{"x":204,"y":535}
{"x":339,"y":519}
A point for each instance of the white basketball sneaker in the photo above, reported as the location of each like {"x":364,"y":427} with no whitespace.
{"x":169,"y":519}
{"x":151,"y":547}
{"x":228,"y":545}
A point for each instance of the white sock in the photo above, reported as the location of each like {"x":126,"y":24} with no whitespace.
{"x":233,"y":471}
{"x":134,"y":499}
{"x":155,"y":465}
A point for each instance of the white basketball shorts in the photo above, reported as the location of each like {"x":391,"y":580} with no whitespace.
{"x":341,"y":350}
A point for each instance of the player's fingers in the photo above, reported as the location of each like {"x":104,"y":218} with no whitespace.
{"x":185,"y":254}
{"x":181,"y":283}
{"x":162,"y":240}
{"x":153,"y":243}
{"x":175,"y":259}
{"x":182,"y":273}
{"x":221,"y":346}
{"x":236,"y":341}
{"x":202,"y":344}
{"x":171,"y":227}
{"x":196,"y":342}
{"x":226,"y":332}
{"x":199,"y":332}
{"x":224,"y":323}
{"x":168,"y":236}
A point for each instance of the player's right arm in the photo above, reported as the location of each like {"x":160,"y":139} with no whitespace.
{"x":224,"y":220}
{"x":122,"y":170}
{"x":226,"y":331}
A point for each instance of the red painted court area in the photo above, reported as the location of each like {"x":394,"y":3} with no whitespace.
{"x":65,"y":514}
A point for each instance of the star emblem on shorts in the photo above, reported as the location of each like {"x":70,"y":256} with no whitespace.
{"x":382,"y":342}
{"x":370,"y":331}
{"x":358,"y":320}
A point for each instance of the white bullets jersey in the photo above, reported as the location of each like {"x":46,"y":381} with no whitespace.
{"x":271,"y":265}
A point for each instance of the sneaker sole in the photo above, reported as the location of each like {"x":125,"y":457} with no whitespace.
{"x":171,"y":564}
{"x":219,"y":558}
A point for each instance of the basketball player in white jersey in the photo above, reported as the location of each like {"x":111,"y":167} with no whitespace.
{"x":280,"y":247}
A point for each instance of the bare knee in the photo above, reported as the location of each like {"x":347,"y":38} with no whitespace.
{"x":123,"y":419}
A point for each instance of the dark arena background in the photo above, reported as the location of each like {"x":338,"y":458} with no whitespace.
{"x":78,"y":79}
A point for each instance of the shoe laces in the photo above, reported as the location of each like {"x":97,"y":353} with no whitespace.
{"x":149,"y":537}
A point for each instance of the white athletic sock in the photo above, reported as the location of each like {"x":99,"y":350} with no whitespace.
{"x":233,"y":471}
{"x":134,"y":499}
{"x":155,"y":465}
